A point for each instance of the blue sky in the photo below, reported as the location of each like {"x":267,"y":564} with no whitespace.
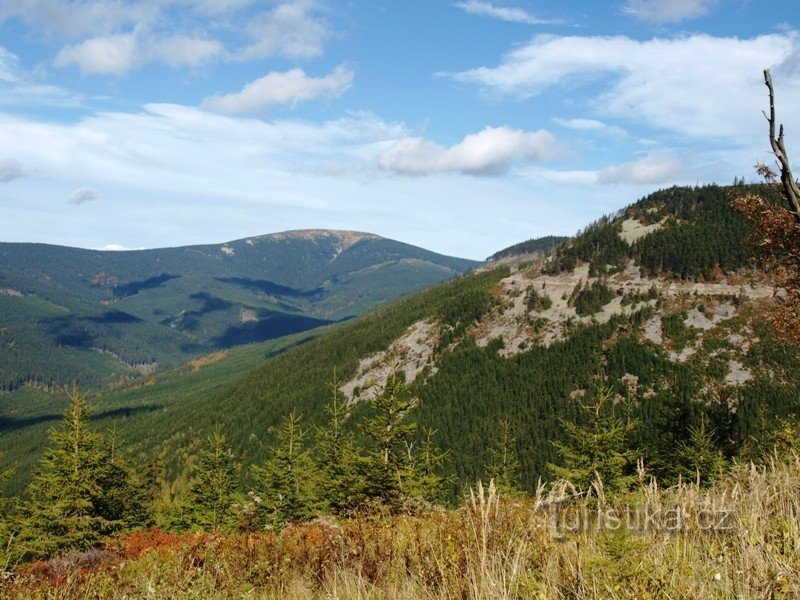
{"x":459,"y":126}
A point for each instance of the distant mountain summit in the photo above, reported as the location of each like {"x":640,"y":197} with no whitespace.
{"x":69,"y":313}
{"x":346,"y":238}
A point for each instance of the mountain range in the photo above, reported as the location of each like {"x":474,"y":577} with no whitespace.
{"x":663,"y":301}
{"x":70,"y":314}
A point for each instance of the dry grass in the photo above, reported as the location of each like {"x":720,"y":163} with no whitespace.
{"x":491,"y":547}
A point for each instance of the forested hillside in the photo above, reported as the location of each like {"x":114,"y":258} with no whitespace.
{"x":524,"y":343}
{"x":68,"y":314}
{"x":541,"y":245}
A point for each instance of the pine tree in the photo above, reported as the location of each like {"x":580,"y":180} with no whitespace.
{"x":340,"y":484}
{"x":212,"y":491}
{"x":74,"y":498}
{"x":603,"y":447}
{"x":504,"y":465}
{"x":388,"y":464}
{"x":285,"y":487}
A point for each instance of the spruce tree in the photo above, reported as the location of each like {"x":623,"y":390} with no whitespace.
{"x":126,"y":492}
{"x":212,"y":491}
{"x":602,"y":447}
{"x":700,"y":459}
{"x":340,"y":484}
{"x":76,"y":495}
{"x":504,"y":465}
{"x":387,"y":463}
{"x":285,"y":487}
{"x":426,"y":481}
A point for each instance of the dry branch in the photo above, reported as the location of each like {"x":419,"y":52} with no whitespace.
{"x":790,"y":187}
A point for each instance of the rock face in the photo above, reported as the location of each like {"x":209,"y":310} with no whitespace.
{"x":410,"y":354}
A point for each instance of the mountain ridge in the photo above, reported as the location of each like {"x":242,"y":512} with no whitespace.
{"x":163,"y":306}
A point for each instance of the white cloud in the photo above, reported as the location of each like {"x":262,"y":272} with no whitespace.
{"x":490,"y":152}
{"x":667,"y":11}
{"x":11,"y":169}
{"x":292,"y":29}
{"x":650,"y":170}
{"x":109,"y":55}
{"x":116,"y":248}
{"x":513,"y":15}
{"x":698,"y":85}
{"x":113,"y":37}
{"x":120,"y":53}
{"x":81,"y":195}
{"x":289,"y":87}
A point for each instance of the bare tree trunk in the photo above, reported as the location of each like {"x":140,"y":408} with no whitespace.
{"x":790,"y":187}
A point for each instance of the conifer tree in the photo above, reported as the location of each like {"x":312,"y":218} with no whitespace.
{"x":126,"y":492}
{"x":212,"y":491}
{"x":426,"y":480}
{"x":285,"y":487}
{"x":602,"y":447}
{"x":700,"y":459}
{"x":340,"y":484}
{"x":75,"y":496}
{"x":504,"y":465}
{"x":388,"y":464}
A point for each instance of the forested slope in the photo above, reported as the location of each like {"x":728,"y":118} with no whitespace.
{"x":524,"y":343}
{"x":92,"y":316}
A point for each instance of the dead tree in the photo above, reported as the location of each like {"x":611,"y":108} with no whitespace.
{"x":788,"y":182}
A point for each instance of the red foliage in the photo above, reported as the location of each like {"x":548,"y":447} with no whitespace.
{"x":137,"y":543}
{"x":776,"y":238}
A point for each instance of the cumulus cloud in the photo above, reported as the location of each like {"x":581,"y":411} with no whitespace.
{"x":290,"y":87}
{"x":120,"y":53}
{"x":292,"y":29}
{"x":667,"y":11}
{"x":82,"y":195}
{"x":490,"y":152}
{"x":11,"y":169}
{"x":113,"y":37}
{"x":513,"y":15}
{"x":109,"y":55}
{"x":650,"y":170}
{"x":698,"y":85}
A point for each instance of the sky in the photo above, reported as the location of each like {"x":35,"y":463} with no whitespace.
{"x":459,"y":126}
